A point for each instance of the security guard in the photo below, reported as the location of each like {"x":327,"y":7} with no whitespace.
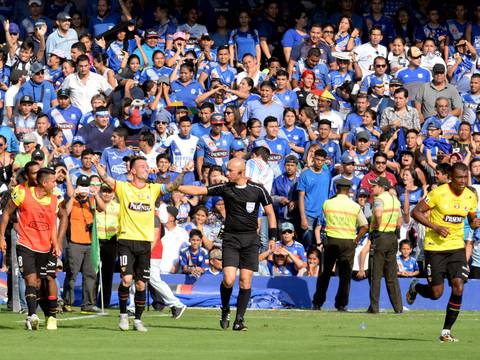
{"x":386,"y":220}
{"x":342,"y":216}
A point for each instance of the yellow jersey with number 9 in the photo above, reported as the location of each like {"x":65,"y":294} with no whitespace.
{"x":448,"y":210}
{"x":137,"y":210}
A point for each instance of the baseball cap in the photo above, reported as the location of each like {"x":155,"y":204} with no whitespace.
{"x":40,"y":22}
{"x":13,"y":28}
{"x":29,"y":138}
{"x":347,"y":159}
{"x":342,"y":55}
{"x":205,"y":36}
{"x":38,"y":2}
{"x":63,"y":16}
{"x":363,"y":192}
{"x":343,"y":182}
{"x":215,"y":254}
{"x":63,"y":93}
{"x":363,"y":135}
{"x":217,"y":118}
{"x":172,"y":210}
{"x":179,"y":35}
{"x":83,"y":180}
{"x":414,"y":52}
{"x":396,"y":81}
{"x":26,"y":99}
{"x":434,"y":124}
{"x":376,"y":83}
{"x":38,"y":154}
{"x":78,"y":140}
{"x":380,"y":181}
{"x":238,"y":145}
{"x":151,"y":33}
{"x":163,"y":116}
{"x":438,"y":69}
{"x":287,"y":226}
{"x":291,"y":159}
{"x":36,"y":67}
{"x":59,"y":53}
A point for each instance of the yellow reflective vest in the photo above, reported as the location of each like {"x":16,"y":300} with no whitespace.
{"x":390,"y":213}
{"x":341,"y":214}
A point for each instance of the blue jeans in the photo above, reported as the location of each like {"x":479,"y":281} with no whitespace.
{"x":309,"y":234}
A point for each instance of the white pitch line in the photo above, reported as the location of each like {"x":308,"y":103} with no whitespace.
{"x":73,"y":318}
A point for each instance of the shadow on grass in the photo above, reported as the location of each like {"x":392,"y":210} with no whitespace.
{"x":4,"y":327}
{"x":195,"y":328}
{"x":376,"y":338}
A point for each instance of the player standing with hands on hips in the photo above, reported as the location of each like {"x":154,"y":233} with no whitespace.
{"x":240,"y":239}
{"x":136,"y":231}
{"x":445,"y":256}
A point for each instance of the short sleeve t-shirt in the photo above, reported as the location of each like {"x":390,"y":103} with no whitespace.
{"x":137,"y":210}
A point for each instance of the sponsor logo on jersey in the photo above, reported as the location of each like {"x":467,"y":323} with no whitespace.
{"x":219,"y":154}
{"x":453,"y":219}
{"x":275,"y":157}
{"x":137,"y":206}
{"x":250,"y":206}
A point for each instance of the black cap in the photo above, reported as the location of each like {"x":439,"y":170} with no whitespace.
{"x":83,"y":180}
{"x":172,"y":210}
{"x":363,"y":192}
{"x":38,"y":154}
{"x":63,"y":92}
{"x":342,"y":182}
{"x":381,"y":181}
{"x":363,"y":135}
{"x":26,"y":99}
{"x":291,"y":159}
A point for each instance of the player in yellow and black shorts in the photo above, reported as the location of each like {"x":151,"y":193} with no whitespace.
{"x":445,"y":257}
{"x":136,"y":231}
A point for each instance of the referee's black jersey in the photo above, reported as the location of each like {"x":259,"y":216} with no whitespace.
{"x":241,"y":204}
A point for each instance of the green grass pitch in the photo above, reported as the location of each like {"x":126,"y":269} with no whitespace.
{"x":325,"y":335}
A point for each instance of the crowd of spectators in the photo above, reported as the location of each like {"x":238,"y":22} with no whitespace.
{"x":306,"y":92}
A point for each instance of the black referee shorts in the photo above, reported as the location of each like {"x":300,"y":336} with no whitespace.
{"x":134,"y":258}
{"x":241,"y":250}
{"x":33,"y":262}
{"x":450,"y":264}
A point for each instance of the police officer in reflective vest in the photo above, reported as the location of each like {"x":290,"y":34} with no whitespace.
{"x":386,"y":220}
{"x":345,"y":226}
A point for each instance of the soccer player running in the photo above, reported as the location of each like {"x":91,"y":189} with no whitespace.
{"x":136,"y":231}
{"x":39,"y":243}
{"x":240,"y":239}
{"x":448,"y":205}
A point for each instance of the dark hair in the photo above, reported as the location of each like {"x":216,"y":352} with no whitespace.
{"x":100,"y":58}
{"x":27,"y":45}
{"x":272,"y":60}
{"x":404,"y":242}
{"x":263,"y":152}
{"x":148,"y":137}
{"x":44,"y":173}
{"x":401,"y":90}
{"x":267,"y":83}
{"x":134,"y":159}
{"x":148,"y":85}
{"x":444,"y":168}
{"x":458,"y":167}
{"x":207,"y":105}
{"x":87,"y":152}
{"x":157,"y":52}
{"x":223,"y":47}
{"x":3,"y":138}
{"x":195,"y":232}
{"x":80,"y":47}
{"x":247,"y":55}
{"x":321,"y":153}
{"x":379,"y":154}
{"x":53,"y":131}
{"x":162,"y":156}
{"x":188,"y":65}
{"x":282,"y":72}
{"x":184,"y":119}
{"x":200,"y":208}
{"x":314,"y":251}
{"x":325,"y":122}
{"x":269,"y":119}
{"x":467,"y":124}
{"x":309,"y":112}
{"x":29,"y":165}
{"x":289,"y":110}
{"x":314,"y":52}
{"x":375,"y":27}
{"x":133,"y":56}
{"x":410,"y":31}
{"x":83,"y":58}
{"x":252,"y":122}
{"x":121,"y":131}
{"x":415,"y":131}
{"x":249,"y":81}
{"x":350,"y":22}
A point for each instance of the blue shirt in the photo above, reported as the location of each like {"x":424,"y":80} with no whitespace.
{"x":283,"y":186}
{"x":320,"y":70}
{"x":189,"y":258}
{"x":227,"y":76}
{"x":43,"y":93}
{"x":288,"y":98}
{"x":353,"y":133}
{"x":66,"y":119}
{"x":409,"y":265}
{"x":187,"y":93}
{"x":335,"y":78}
{"x":154,"y":73}
{"x":385,"y":24}
{"x":354,"y":188}
{"x":115,"y":54}
{"x":199,"y":130}
{"x":333,"y":153}
{"x":298,"y":136}
{"x":315,"y":186}
{"x":279,"y":149}
{"x":292,"y":38}
{"x":418,"y":75}
{"x":450,"y":125}
{"x":367,"y":81}
{"x":99,"y":25}
{"x":12,"y":141}
{"x":296,"y":249}
{"x":361,"y":166}
{"x":215,"y":152}
{"x":112,"y":160}
{"x":427,"y":31}
{"x":245,"y":42}
{"x":352,"y":121}
{"x":255,"y":109}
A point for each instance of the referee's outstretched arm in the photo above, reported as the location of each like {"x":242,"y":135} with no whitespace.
{"x":193,"y":190}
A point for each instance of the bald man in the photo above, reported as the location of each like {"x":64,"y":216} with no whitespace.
{"x":241,"y":243}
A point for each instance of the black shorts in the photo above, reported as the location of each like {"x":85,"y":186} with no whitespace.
{"x":32,"y":262}
{"x":240,"y":250}
{"x":450,"y":264}
{"x":134,"y":258}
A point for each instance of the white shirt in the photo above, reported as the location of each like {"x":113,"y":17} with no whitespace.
{"x":335,"y":118}
{"x":81,"y":94}
{"x":172,"y":242}
{"x":429,"y":60}
{"x":260,"y":172}
{"x":10,"y":100}
{"x":366,"y":53}
{"x":151,"y":158}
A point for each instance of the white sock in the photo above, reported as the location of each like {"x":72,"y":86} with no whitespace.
{"x":123,"y":316}
{"x":445,"y":332}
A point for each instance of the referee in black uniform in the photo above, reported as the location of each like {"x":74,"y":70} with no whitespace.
{"x":240,"y":240}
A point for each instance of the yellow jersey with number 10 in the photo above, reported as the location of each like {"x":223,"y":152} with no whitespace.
{"x":450,"y":211}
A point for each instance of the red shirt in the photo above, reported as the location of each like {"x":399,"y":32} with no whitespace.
{"x":365,"y":183}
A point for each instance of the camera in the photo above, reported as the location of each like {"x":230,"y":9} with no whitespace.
{"x":89,"y":227}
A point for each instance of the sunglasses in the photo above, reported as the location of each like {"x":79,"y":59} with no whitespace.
{"x":41,"y":72}
{"x":2,"y":145}
{"x":287,"y":232}
{"x":381,"y":65}
{"x":380,"y":162}
{"x":328,"y":32}
{"x":228,"y":112}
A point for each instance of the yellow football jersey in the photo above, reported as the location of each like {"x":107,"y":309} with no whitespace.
{"x":137,"y":210}
{"x":450,"y":211}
